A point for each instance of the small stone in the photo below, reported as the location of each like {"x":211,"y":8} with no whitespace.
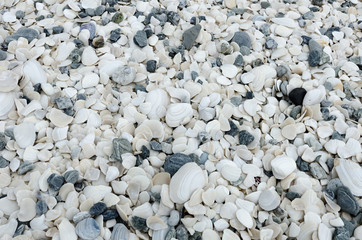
{"x":349,"y":226}
{"x":88,"y":229}
{"x":71,"y":176}
{"x":324,"y":58}
{"x":81,"y":96}
{"x":139,"y":223}
{"x":98,"y":208}
{"x":80,"y":216}
{"x":98,"y":42}
{"x":55,"y":181}
{"x":90,"y":27}
{"x":249,"y":95}
{"x":194,"y":75}
{"x":41,"y":207}
{"x":239,"y":60}
{"x":166,"y":148}
{"x":334,"y":184}
{"x":181,"y":233}
{"x":63,"y":103}
{"x":100,"y":10}
{"x":203,"y":158}
{"x":117,"y":17}
{"x":346,"y":201}
{"x":174,"y":218}
{"x":236,"y":101}
{"x":341,"y":234}
{"x":330,"y":163}
{"x":140,"y":39}
{"x":174,"y":162}
{"x":58,"y":29}
{"x":281,"y":70}
{"x":115,"y":35}
{"x":317,"y":171}
{"x":245,"y":138}
{"x":203,"y":136}
{"x":124,"y":75}
{"x":3,"y":55}
{"x":20,"y":230}
{"x":308,"y":15}
{"x":151,"y":66}
{"x":302,"y":165}
{"x":270,"y":43}
{"x":148,"y":31}
{"x":120,"y":146}
{"x":110,"y":214}
{"x":297,"y":95}
{"x":28,"y":33}
{"x":234,"y":130}
{"x":155,"y":146}
{"x":174,"y":17}
{"x":171,"y":234}
{"x":244,"y":50}
{"x":19,"y":14}
{"x":2,"y":141}
{"x":265,"y":5}
{"x":189,"y":36}
{"x":90,"y":12}
{"x":265,"y":29}
{"x":145,"y":152}
{"x":317,"y":2}
{"x":242,"y":39}
{"x":292,"y":195}
{"x":76,"y":55}
{"x":105,"y":21}
{"x":336,"y":135}
{"x":3,"y":162}
{"x":315,"y":53}
{"x":139,"y":87}
{"x":25,"y":167}
{"x":9,"y":132}
{"x":295,"y":111}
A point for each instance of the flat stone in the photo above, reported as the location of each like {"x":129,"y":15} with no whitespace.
{"x":55,"y":181}
{"x":41,"y":208}
{"x":3,"y":55}
{"x":88,"y":229}
{"x":245,"y":138}
{"x":297,"y":95}
{"x":80,"y":216}
{"x":97,"y":208}
{"x":99,"y":10}
{"x":71,"y":176}
{"x":115,"y":35}
{"x":120,"y":146}
{"x":28,"y":33}
{"x":347,"y":201}
{"x":110,"y":214}
{"x":174,"y":162}
{"x":189,"y":36}
{"x":139,"y":223}
{"x":3,"y":162}
{"x":334,"y":184}
{"x":25,"y":167}
{"x":239,"y":60}
{"x":58,"y":29}
{"x":19,"y":14}
{"x":140,"y":39}
{"x":281,"y":70}
{"x":242,"y":39}
{"x":295,"y":111}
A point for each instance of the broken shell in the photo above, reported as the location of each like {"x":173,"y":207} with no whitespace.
{"x":244,"y":218}
{"x":33,"y":71}
{"x":282,"y":166}
{"x":350,"y":174}
{"x":59,"y":118}
{"x":159,"y":100}
{"x":269,"y":199}
{"x":178,"y":114}
{"x":155,"y":223}
{"x":25,"y":134}
{"x":8,"y":81}
{"x":7,"y":104}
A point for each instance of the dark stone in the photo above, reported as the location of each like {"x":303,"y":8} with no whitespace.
{"x":308,"y":15}
{"x":180,"y":75}
{"x":99,"y":10}
{"x":117,"y":17}
{"x":63,"y":70}
{"x":76,"y":55}
{"x":317,"y":171}
{"x":341,"y":233}
{"x":239,"y":60}
{"x":78,"y":43}
{"x":25,"y":167}
{"x":105,"y":21}
{"x":145,"y":152}
{"x":189,"y":36}
{"x":302,"y":165}
{"x":161,"y":36}
{"x":265,"y":5}
{"x":281,"y":70}
{"x":2,"y":141}
{"x":148,"y":31}
{"x":174,"y":162}
{"x":234,"y":130}
{"x":317,"y":2}
{"x":82,"y":14}
{"x":349,"y":109}
{"x":90,"y":12}
{"x":203,"y":158}
{"x":3,"y":55}
{"x":315,"y":53}
{"x":140,"y":38}
{"x":336,"y":135}
{"x":20,"y":14}
{"x":325,"y":113}
{"x":111,"y":9}
{"x":297,"y":96}
{"x":249,"y":95}
{"x":245,"y":138}
{"x":242,"y":39}
{"x":295,"y":111}
{"x":155,"y":145}
{"x":98,"y":42}
{"x":270,"y":43}
{"x":264,"y":29}
{"x":81,"y":96}
{"x":139,"y":87}
{"x":203,"y":136}
{"x":305,"y":39}
{"x":55,"y":181}
{"x":28,"y":33}
{"x":280,"y":15}
{"x":236,"y":101}
{"x":194,"y":75}
{"x":244,"y":50}
{"x":3,"y":162}
{"x":120,"y":146}
{"x":218,"y":62}
{"x":20,"y":230}
{"x":347,"y":201}
{"x":71,"y":176}
{"x":181,"y":233}
{"x":90,"y":27}
{"x":151,"y":66}
{"x":173,"y":17}
{"x":41,"y":207}
{"x":63,"y":103}
{"x":39,"y":18}
{"x":171,"y":234}
{"x":58,"y":29}
{"x":194,"y":158}
{"x":330,"y":163}
{"x":115,"y":35}
{"x":257,"y":62}
{"x":292,"y":195}
{"x":139,"y":223}
{"x":110,"y":214}
{"x":97,"y":209}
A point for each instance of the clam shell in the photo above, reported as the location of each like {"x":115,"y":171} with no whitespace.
{"x":178,"y":114}
{"x":24,"y":134}
{"x":244,"y":218}
{"x":350,"y":174}
{"x":261,"y":74}
{"x":120,"y":232}
{"x":88,"y":229}
{"x":155,"y":223}
{"x":282,"y":166}
{"x":33,"y":71}
{"x":269,"y":199}
{"x":7,"y":104}
{"x":186,"y":180}
{"x":181,"y":94}
{"x":59,"y":118}
{"x":159,"y":100}
{"x":8,"y":81}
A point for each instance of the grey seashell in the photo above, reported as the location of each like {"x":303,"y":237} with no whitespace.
{"x":120,"y":232}
{"x":88,"y":229}
{"x":80,"y":216}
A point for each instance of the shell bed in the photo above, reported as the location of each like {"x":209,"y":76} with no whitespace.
{"x":188,"y":120}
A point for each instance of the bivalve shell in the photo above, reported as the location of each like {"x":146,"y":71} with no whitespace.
{"x":8,"y":81}
{"x":244,"y":218}
{"x":282,"y":166}
{"x":350,"y":174}
{"x":25,"y":134}
{"x":178,"y":114}
{"x":159,"y":100}
{"x":269,"y":200}
{"x":120,"y":232}
{"x":7,"y":104}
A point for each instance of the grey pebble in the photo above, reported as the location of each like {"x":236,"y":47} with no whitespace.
{"x":124,"y":75}
{"x":120,"y":232}
{"x":28,"y":33}
{"x":120,"y":146}
{"x":189,"y":36}
{"x":341,"y":233}
{"x":244,"y":50}
{"x":71,"y":176}
{"x":174,"y":162}
{"x":3,"y":55}
{"x":117,"y":17}
{"x":88,"y":229}
{"x":63,"y":103}
{"x":270,"y":43}
{"x":115,"y":35}
{"x":2,"y":141}
{"x":336,"y":135}
{"x":155,"y":145}
{"x":302,"y":165}
{"x":98,"y":42}
{"x":334,"y":184}
{"x":203,"y":158}
{"x":330,"y":163}
{"x":166,"y":148}
{"x":19,"y":14}
{"x":58,"y":29}
{"x":25,"y":167}
{"x":281,"y":70}
{"x":100,"y":10}
{"x":324,"y":58}
{"x":41,"y":207}
{"x":10,"y":133}
{"x":20,"y":230}
{"x":265,"y":4}
{"x":239,"y":60}
{"x":226,"y":48}
{"x":242,"y":39}
{"x":314,"y":144}
{"x":174,"y":218}
{"x":90,"y":27}
{"x":80,"y":216}
{"x":181,"y":233}
{"x":139,"y":223}
{"x":140,"y":39}
{"x":295,"y":111}
{"x":317,"y":171}
{"x":234,"y":130}
{"x":203,"y":136}
{"x":55,"y":181}
{"x":264,"y":29}
{"x":308,"y":15}
{"x":315,"y":53}
{"x":98,"y":208}
{"x":245,"y":138}
{"x":140,"y":87}
{"x":151,"y":66}
{"x":3,"y":162}
{"x":347,"y":201}
{"x":328,"y":86}
{"x":236,"y":101}
{"x":110,"y":214}
{"x":292,"y":195}
{"x":171,"y":234}
{"x":76,"y":55}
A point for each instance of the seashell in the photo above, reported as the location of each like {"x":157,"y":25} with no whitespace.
{"x":230,"y":171}
{"x":124,"y":75}
{"x":210,"y":235}
{"x":282,"y":166}
{"x":9,"y":228}
{"x":67,"y":230}
{"x":27,"y":210}
{"x":228,"y":234}
{"x":38,"y":223}
{"x":159,"y":101}
{"x":97,"y":193}
{"x":324,"y":233}
{"x":112,"y":173}
{"x":289,"y":131}
{"x":251,"y":107}
{"x":160,"y":234}
{"x":155,"y":223}
{"x":261,"y":74}
{"x":7,"y":104}
{"x":228,"y":210}
{"x":186,"y":180}
{"x":59,"y":118}
{"x":178,"y":114}
{"x":179,"y":93}
{"x":229,"y":70}
{"x":154,"y":127}
{"x":350,"y":173}
{"x":143,"y":211}
{"x":269,"y":199}
{"x":33,"y":71}
{"x":8,"y":81}
{"x":120,"y":232}
{"x":352,"y":148}
{"x":287,"y":22}
{"x":88,"y":229}
{"x":89,"y":56}
{"x":60,"y":133}
{"x":314,"y":96}
{"x":24,"y":134}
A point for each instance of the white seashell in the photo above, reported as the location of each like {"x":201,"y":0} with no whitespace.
{"x":158,"y":235}
{"x":38,"y":223}
{"x":59,"y":118}
{"x":186,"y":180}
{"x":314,"y":96}
{"x":179,"y":93}
{"x":178,"y":114}
{"x":269,"y":199}
{"x":251,"y":106}
{"x":60,"y":133}
{"x":350,"y":174}
{"x":155,"y":223}
{"x":221,"y":224}
{"x":9,"y":228}
{"x":144,"y":211}
{"x":210,"y":234}
{"x":67,"y":230}
{"x":231,"y":172}
{"x":244,"y":218}
{"x":229,"y":70}
{"x":352,"y":148}
{"x":287,"y":22}
{"x":8,"y":81}
{"x":25,"y":134}
{"x":325,"y":131}
{"x":27,"y":210}
{"x":120,"y":232}
{"x":159,"y":101}
{"x":89,"y":56}
{"x":229,"y":235}
{"x":30,"y":154}
{"x":112,"y":173}
{"x":33,"y":71}
{"x":261,"y":74}
{"x":90,"y":3}
{"x":97,"y":193}
{"x":228,"y":210}
{"x":289,"y":131}
{"x":7,"y":104}
{"x":90,"y":80}
{"x":324,"y":233}
{"x":282,"y":166}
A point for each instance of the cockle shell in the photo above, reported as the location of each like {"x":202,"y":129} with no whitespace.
{"x":33,"y":71}
{"x":181,"y":94}
{"x":120,"y":232}
{"x":282,"y":166}
{"x":159,"y":100}
{"x":269,"y":199}
{"x":7,"y":104}
{"x":8,"y":81}
{"x":186,"y":180}
{"x":350,"y":174}
{"x":178,"y":114}
{"x":25,"y":134}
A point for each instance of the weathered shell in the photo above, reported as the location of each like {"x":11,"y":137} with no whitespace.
{"x":7,"y":104}
{"x":120,"y":232}
{"x":181,"y":94}
{"x":88,"y":229}
{"x":25,"y":134}
{"x":155,"y":223}
{"x":67,"y":230}
{"x":244,"y":218}
{"x":159,"y":100}
{"x":269,"y":199}
{"x":178,"y":114}
{"x":34,"y":72}
{"x":350,"y":174}
{"x":59,"y":118}
{"x":8,"y":81}
{"x":186,"y":180}
{"x":282,"y":166}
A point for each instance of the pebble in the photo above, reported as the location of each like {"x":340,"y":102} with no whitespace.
{"x":270,"y":43}
{"x":110,"y":214}
{"x":80,"y":216}
{"x":189,"y":36}
{"x":71,"y":176}
{"x":315,"y":53}
{"x":55,"y":181}
{"x":151,"y":66}
{"x":174,"y":218}
{"x":115,"y":35}
{"x":297,"y":96}
{"x":124,"y":75}
{"x":239,"y":60}
{"x":234,"y":130}
{"x":41,"y":208}
{"x":28,"y":33}
{"x":98,"y":42}
{"x":302,"y":165}
{"x":97,"y":209}
{"x":292,"y":195}
{"x":120,"y":146}
{"x":140,"y":39}
{"x":245,"y":138}
{"x":181,"y":233}
{"x":281,"y":70}
{"x":99,"y":10}
{"x":347,"y":201}
{"x":139,"y":223}
{"x":63,"y":103}
{"x":20,"y":14}
{"x":58,"y":29}
{"x":120,"y":232}
{"x":174,"y":162}
{"x":317,"y":171}
{"x":242,"y":39}
{"x":88,"y":229}
{"x":155,"y":146}
{"x":3,"y":55}
{"x":2,"y":141}
{"x":25,"y":167}
{"x":3,"y":162}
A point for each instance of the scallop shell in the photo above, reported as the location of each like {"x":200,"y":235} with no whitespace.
{"x":186,"y":180}
{"x":159,"y":101}
{"x":178,"y":114}
{"x":269,"y":199}
{"x":8,"y":81}
{"x":120,"y":232}
{"x":7,"y":104}
{"x":181,"y":94}
{"x":34,"y":71}
{"x":350,"y":174}
{"x":24,"y":134}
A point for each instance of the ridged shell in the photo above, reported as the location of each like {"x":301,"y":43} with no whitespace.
{"x":244,"y":218}
{"x":181,"y":94}
{"x":34,"y":71}
{"x":269,"y":200}
{"x":8,"y":81}
{"x":178,"y":114}
{"x":159,"y":101}
{"x":7,"y":103}
{"x":153,"y":127}
{"x":282,"y":166}
{"x":25,"y":134}
{"x":186,"y":180}
{"x":88,"y":229}
{"x":120,"y":232}
{"x":350,"y":174}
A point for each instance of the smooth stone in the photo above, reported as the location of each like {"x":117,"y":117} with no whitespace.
{"x":295,"y":111}
{"x":140,"y":39}
{"x":58,"y":29}
{"x":88,"y":229}
{"x":63,"y":103}
{"x":265,"y":29}
{"x":110,"y":214}
{"x":115,"y":35}
{"x":181,"y":233}
{"x":234,"y":130}
{"x":270,"y":43}
{"x":120,"y":146}
{"x":297,"y":96}
{"x":124,"y":75}
{"x":292,"y":195}
{"x":3,"y":55}
{"x":99,"y":10}
{"x":151,"y":66}
{"x":171,"y":234}
{"x":334,"y":184}
{"x":139,"y":223}
{"x":41,"y":208}
{"x":55,"y":181}
{"x":244,"y":50}
{"x":265,"y":5}
{"x":145,"y":152}
{"x":242,"y":39}
{"x":317,"y":171}
{"x":189,"y":36}
{"x":174,"y":162}
{"x":117,"y":17}
{"x":28,"y":33}
{"x":155,"y":146}
{"x":302,"y":165}
{"x":239,"y":60}
{"x":3,"y":162}
{"x":315,"y":53}
{"x":25,"y":167}
{"x":174,"y":218}
{"x":19,"y":14}
{"x":347,"y":201}
{"x":245,"y":138}
{"x":98,"y":208}
{"x":120,"y":232}
{"x":281,"y":70}
{"x":71,"y":176}
{"x":98,"y":42}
